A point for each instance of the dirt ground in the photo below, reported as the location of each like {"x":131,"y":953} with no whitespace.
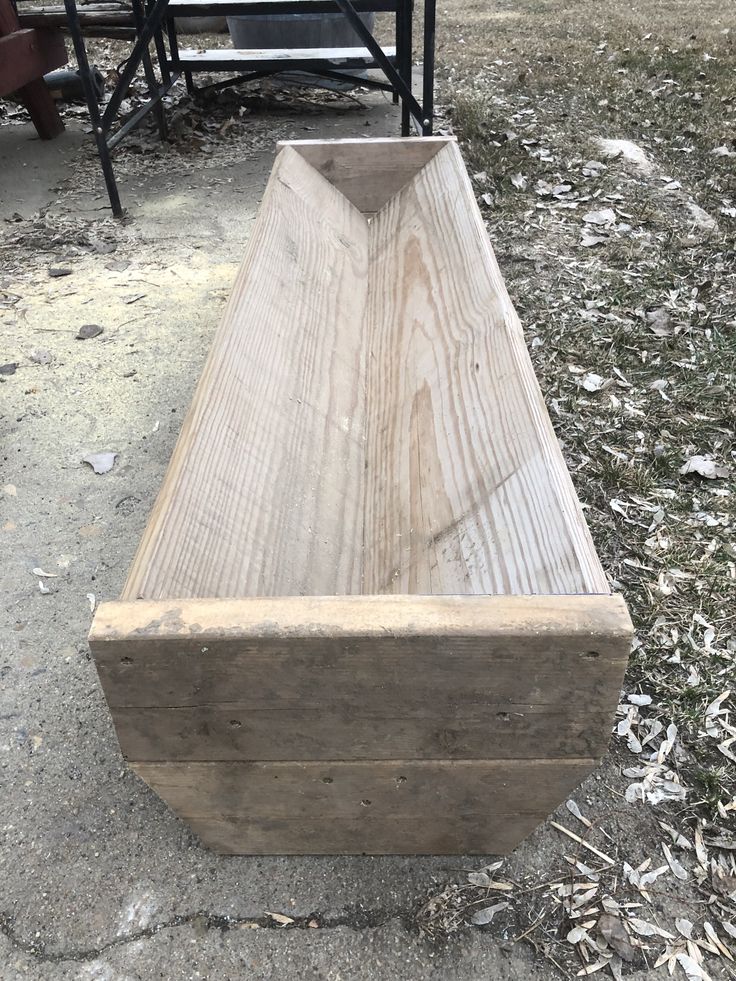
{"x":623,"y":270}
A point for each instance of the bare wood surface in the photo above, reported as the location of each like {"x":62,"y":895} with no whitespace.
{"x":369,"y":172}
{"x":262,"y":496}
{"x":366,"y":678}
{"x":538,"y":618}
{"x":409,"y":807}
{"x":466,"y":489}
{"x":368,"y":420}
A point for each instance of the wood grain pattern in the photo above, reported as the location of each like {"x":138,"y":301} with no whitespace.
{"x":373,"y":678}
{"x":368,"y":420}
{"x":241,"y":729}
{"x":406,"y":807}
{"x":466,"y":489}
{"x":263,"y":493}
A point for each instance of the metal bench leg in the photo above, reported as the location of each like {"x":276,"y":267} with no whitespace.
{"x":405,"y":56}
{"x":139,"y":17}
{"x":399,"y":43}
{"x":428,"y":70}
{"x":80,"y":51}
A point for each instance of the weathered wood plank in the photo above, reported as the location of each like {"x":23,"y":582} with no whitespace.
{"x":256,"y":617}
{"x":366,"y":678}
{"x":409,"y":807}
{"x":242,"y":730}
{"x":102,"y":15}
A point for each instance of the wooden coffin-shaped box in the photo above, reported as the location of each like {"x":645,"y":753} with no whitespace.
{"x":366,"y":615}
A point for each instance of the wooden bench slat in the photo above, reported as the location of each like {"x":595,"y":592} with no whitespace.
{"x":240,"y":59}
{"x":206,"y":8}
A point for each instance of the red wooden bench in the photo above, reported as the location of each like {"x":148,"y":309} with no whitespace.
{"x":25,"y":57}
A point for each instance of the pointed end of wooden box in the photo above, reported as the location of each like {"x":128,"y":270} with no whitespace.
{"x":369,"y":172}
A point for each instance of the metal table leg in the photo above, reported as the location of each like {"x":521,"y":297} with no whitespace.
{"x":80,"y":51}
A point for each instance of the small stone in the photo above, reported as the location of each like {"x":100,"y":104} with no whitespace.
{"x":87,"y":331}
{"x":629,"y":151}
{"x":42,"y":356}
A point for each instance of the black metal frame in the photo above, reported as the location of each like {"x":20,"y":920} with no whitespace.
{"x":154,"y":19}
{"x":148,"y":28}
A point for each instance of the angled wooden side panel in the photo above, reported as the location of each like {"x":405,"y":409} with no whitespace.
{"x":263,"y":493}
{"x":369,"y":172}
{"x":466,"y":489}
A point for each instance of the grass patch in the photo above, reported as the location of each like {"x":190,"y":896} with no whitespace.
{"x":651,"y":309}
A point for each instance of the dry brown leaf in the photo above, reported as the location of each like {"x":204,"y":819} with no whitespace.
{"x":615,"y":935}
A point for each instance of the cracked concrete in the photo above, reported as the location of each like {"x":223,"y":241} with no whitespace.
{"x":201,"y":922}
{"x":246,"y":951}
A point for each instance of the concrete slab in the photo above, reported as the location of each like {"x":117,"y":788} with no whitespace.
{"x":31,"y":168}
